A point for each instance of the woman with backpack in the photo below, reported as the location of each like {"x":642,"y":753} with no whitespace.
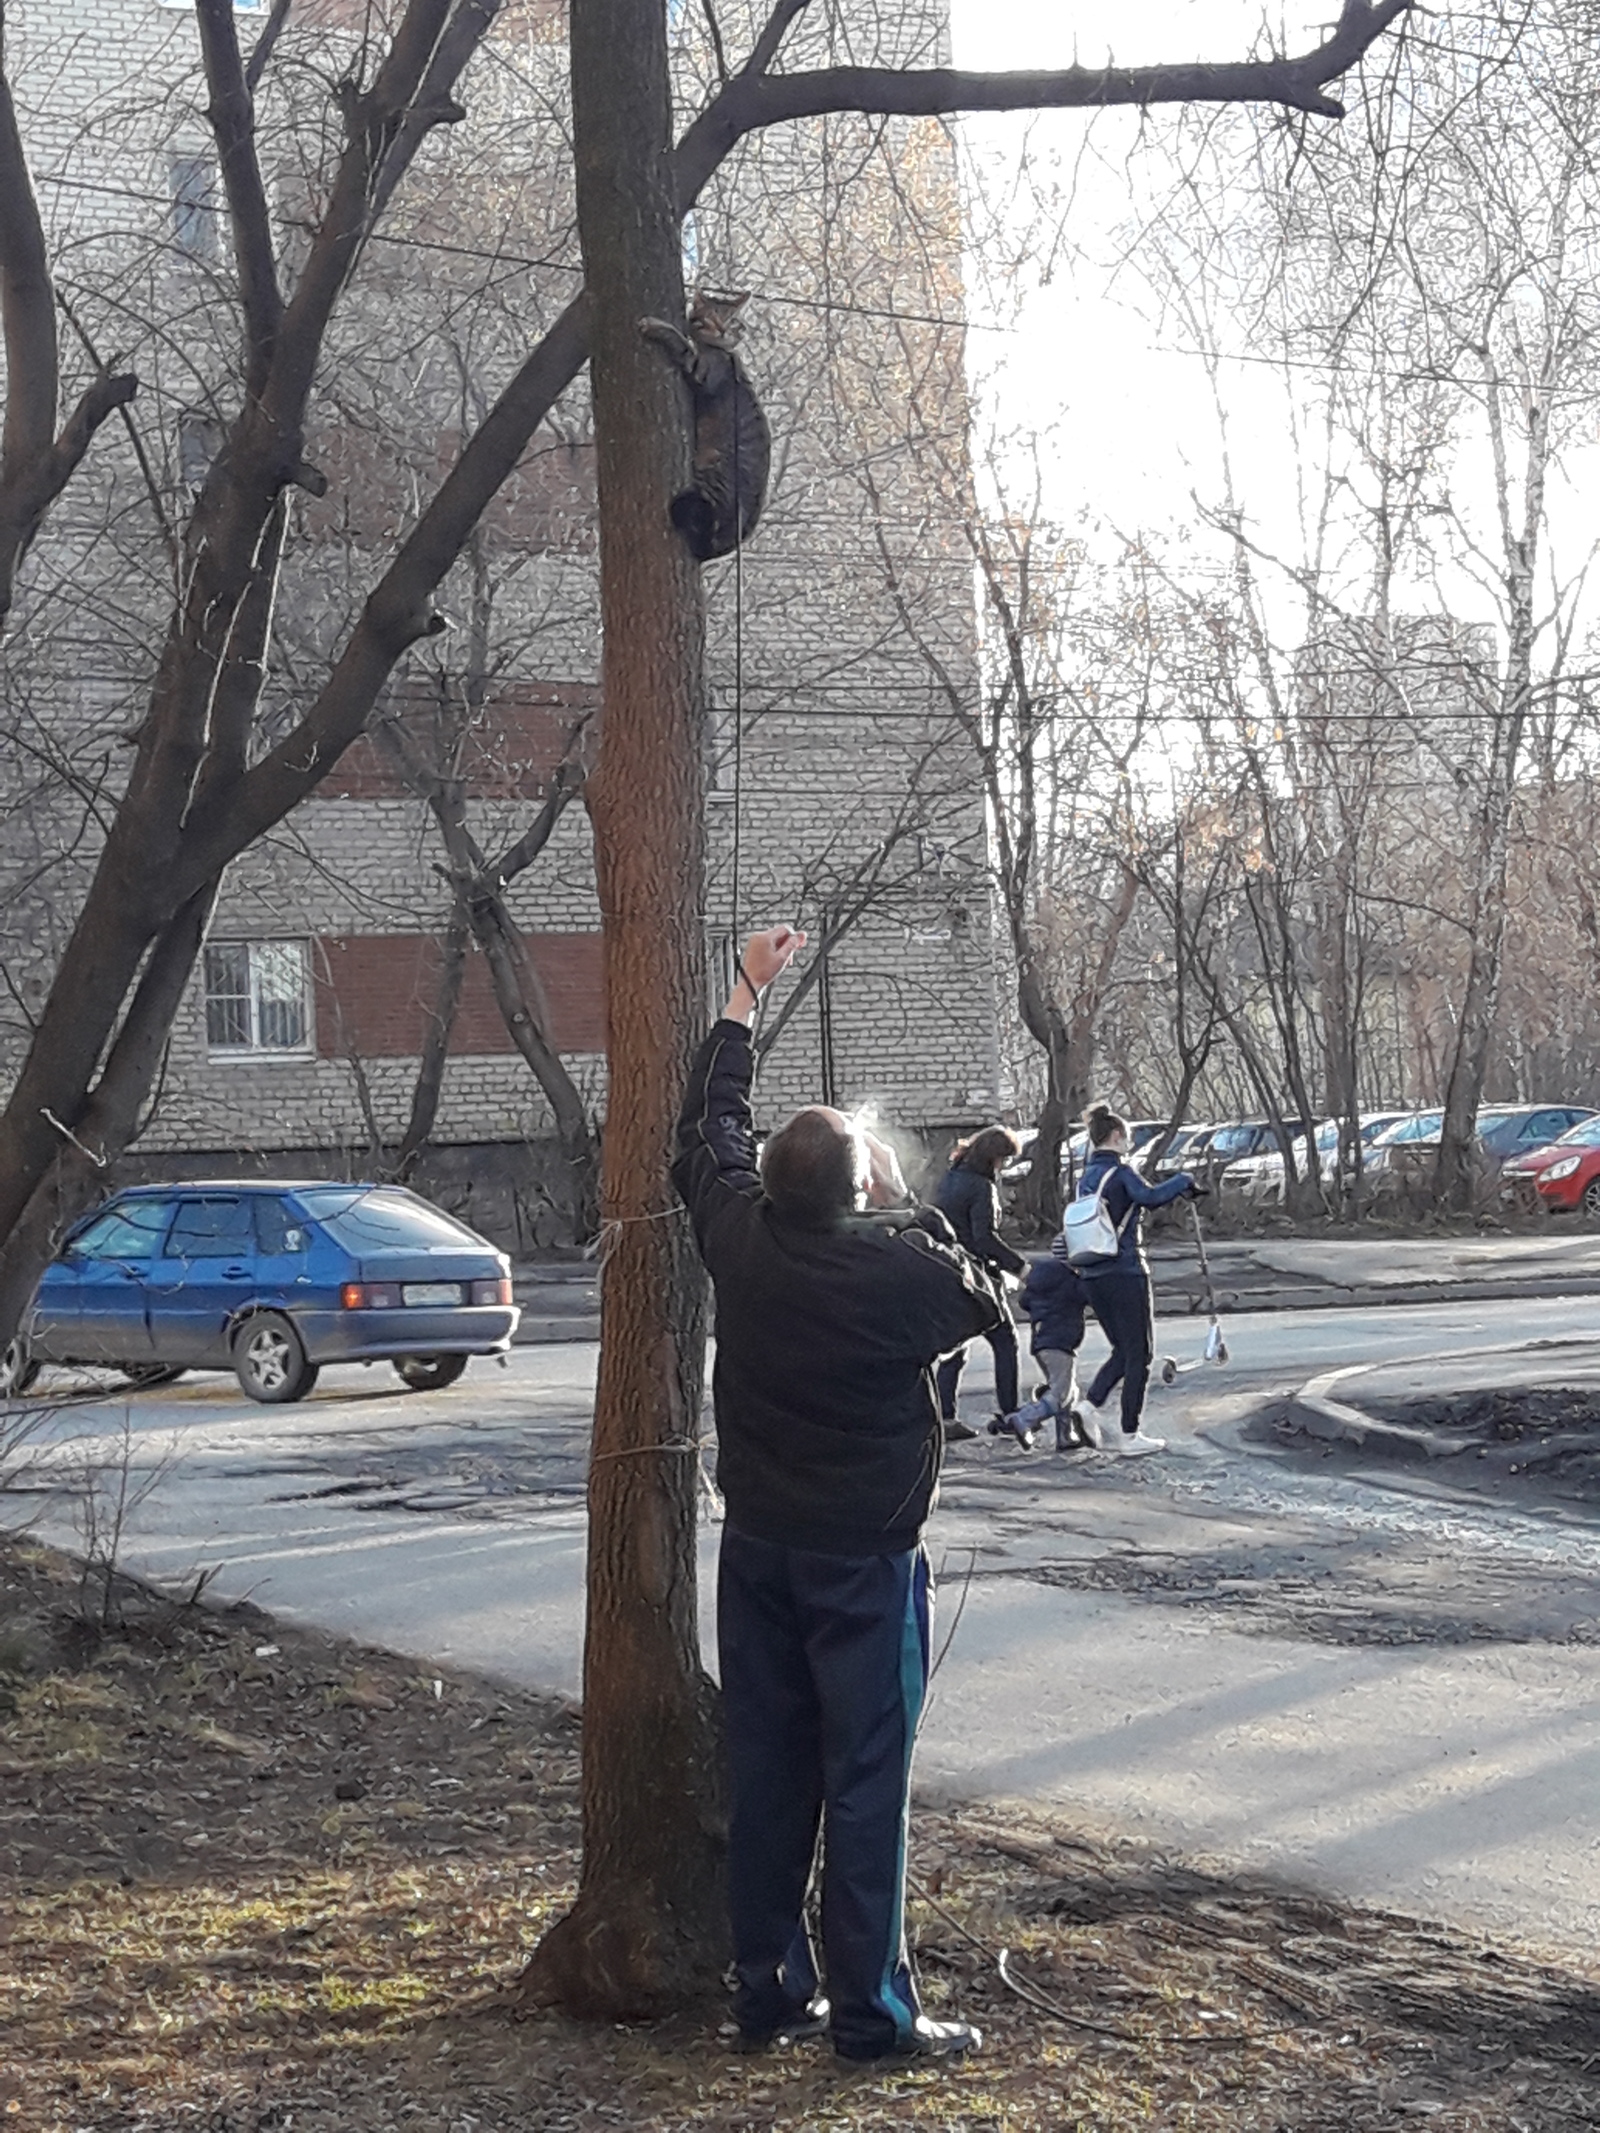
{"x":1115,"y":1273}
{"x":969,"y":1199}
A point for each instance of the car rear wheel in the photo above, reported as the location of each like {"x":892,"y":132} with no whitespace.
{"x":1590,"y":1203}
{"x":17,"y":1369}
{"x":429,"y":1373}
{"x":270,"y":1361}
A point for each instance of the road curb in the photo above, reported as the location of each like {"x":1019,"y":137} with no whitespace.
{"x":1190,"y":1301}
{"x":1333,"y":1422}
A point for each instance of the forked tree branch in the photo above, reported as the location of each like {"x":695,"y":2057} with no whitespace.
{"x":262,"y":49}
{"x":567,"y":781}
{"x":232,"y":118}
{"x":398,"y":611}
{"x":756,"y":97}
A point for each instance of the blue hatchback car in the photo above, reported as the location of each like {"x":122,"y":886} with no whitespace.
{"x":270,"y":1281}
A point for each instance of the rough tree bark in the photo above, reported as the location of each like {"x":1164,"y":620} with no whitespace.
{"x":648,"y":1925}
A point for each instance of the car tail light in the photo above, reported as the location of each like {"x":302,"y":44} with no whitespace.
{"x":497,"y":1291}
{"x":370,"y":1296}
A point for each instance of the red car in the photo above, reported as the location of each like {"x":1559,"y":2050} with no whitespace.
{"x":1565,"y":1174}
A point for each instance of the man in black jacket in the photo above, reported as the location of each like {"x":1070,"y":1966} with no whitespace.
{"x":829,"y":1320}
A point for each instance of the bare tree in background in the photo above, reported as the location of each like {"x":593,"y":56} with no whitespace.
{"x":646,"y":1929}
{"x":1438,"y":274}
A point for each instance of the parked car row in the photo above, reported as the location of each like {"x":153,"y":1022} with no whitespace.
{"x":1399,"y":1148}
{"x":271,"y":1281}
{"x":1548,"y":1153}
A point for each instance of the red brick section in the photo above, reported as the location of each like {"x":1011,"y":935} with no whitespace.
{"x":375,"y":992}
{"x":505,"y":751}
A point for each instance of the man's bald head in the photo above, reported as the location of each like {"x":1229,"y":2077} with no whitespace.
{"x":815,"y":1168}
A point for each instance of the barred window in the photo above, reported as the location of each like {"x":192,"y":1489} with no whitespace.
{"x":257,"y":998}
{"x":194,"y":207}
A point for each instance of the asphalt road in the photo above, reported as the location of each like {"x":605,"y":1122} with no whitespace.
{"x":1349,"y":1675}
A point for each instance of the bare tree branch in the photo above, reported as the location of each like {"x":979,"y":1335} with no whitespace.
{"x":35,"y":464}
{"x":232,"y":119}
{"x":756,"y":97}
{"x":262,"y":51}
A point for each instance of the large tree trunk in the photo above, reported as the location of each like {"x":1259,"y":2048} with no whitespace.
{"x":110,"y":1120}
{"x":648,"y":1928}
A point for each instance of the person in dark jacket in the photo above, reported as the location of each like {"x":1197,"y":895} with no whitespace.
{"x":1119,"y":1286}
{"x":829,"y":1320}
{"x":1054,"y":1301}
{"x":968,"y":1196}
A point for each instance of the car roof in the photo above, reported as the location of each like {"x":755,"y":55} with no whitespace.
{"x":255,"y":1185}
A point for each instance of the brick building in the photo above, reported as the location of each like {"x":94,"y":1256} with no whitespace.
{"x":838,"y":790}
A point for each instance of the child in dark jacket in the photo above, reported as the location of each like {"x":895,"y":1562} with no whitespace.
{"x":1054,"y":1300}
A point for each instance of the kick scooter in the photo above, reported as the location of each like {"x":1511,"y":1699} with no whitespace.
{"x":1216,"y":1348}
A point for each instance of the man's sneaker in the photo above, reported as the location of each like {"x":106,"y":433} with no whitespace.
{"x":1066,"y":1441}
{"x":808,"y":2021}
{"x":1088,"y":1423}
{"x":1136,"y":1446}
{"x":927,"y":2039}
{"x":956,"y":1431}
{"x":1015,"y":1425}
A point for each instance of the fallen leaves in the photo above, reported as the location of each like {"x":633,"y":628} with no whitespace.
{"x":242,"y":1894}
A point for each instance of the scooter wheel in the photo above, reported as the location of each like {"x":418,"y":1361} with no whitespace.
{"x":1169,"y":1370}
{"x":1222,"y":1351}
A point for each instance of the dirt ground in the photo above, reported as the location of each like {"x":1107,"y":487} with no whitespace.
{"x":254,"y":1880}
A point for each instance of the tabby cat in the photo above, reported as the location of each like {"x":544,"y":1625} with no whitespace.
{"x":732,"y":444}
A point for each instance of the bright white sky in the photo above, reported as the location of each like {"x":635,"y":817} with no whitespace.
{"x":1131,"y":407}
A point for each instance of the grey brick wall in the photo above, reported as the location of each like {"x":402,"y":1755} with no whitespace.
{"x":842,"y":721}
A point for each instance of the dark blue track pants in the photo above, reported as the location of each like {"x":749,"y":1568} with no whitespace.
{"x":824,"y":1668}
{"x":1122,"y":1303}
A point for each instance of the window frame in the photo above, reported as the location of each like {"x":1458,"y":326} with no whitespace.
{"x":197,"y":233}
{"x":118,"y":1211}
{"x":254,"y":1052}
{"x":190,"y":1253}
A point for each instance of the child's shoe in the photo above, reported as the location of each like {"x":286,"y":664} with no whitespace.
{"x":1018,"y":1424}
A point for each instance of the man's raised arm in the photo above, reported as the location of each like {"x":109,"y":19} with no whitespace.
{"x":716,"y":1131}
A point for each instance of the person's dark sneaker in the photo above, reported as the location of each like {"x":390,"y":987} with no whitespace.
{"x":1088,"y":1427}
{"x":927,"y":2040}
{"x":957,"y":1432}
{"x":808,"y":2021}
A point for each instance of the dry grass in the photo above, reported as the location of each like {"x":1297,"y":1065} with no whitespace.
{"x":247,"y":1889}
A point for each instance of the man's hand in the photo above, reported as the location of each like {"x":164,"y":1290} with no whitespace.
{"x":885,"y":1186}
{"x":765,"y":955}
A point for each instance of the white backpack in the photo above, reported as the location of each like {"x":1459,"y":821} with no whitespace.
{"x":1087,"y":1231}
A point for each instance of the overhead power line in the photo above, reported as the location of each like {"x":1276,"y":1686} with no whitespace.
{"x":529,"y":261}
